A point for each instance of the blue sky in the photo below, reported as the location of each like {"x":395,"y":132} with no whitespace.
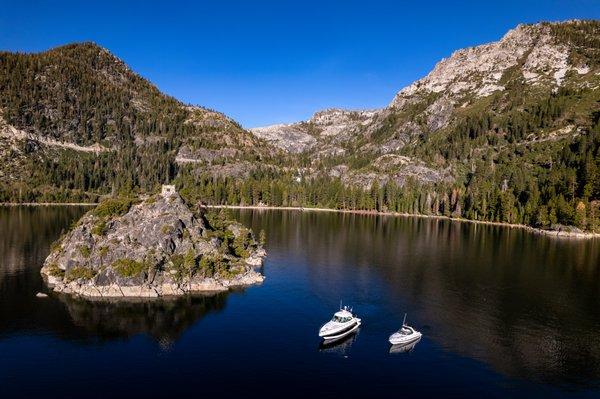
{"x":264,"y":62}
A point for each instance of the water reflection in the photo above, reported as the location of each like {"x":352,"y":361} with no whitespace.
{"x":27,"y":233}
{"x":403,"y":348}
{"x":163,"y":320}
{"x":340,"y":347}
{"x":522,"y":305}
{"x":526,"y":305}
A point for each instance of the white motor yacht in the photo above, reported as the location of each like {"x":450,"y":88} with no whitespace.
{"x":405,"y":335}
{"x":341,"y":325}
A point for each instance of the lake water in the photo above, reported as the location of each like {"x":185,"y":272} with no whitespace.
{"x":504,"y":313}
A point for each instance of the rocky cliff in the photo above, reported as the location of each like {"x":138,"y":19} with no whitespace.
{"x":537,"y":52}
{"x":150,"y":248}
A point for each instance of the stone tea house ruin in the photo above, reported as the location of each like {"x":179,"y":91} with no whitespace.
{"x":168,"y":189}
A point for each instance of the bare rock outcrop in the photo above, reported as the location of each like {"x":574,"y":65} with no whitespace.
{"x":324,"y":132}
{"x":151,"y":248}
{"x":479,"y":71}
{"x":290,"y":138}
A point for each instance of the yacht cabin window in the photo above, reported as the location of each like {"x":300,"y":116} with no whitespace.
{"x":341,"y":319}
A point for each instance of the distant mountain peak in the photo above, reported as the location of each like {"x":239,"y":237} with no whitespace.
{"x":541,"y":57}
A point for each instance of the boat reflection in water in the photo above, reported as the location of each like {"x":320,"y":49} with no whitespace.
{"x":404,"y":348}
{"x":340,"y":347}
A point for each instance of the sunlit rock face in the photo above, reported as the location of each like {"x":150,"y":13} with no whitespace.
{"x":324,"y":132}
{"x":287,"y":137}
{"x":479,"y":71}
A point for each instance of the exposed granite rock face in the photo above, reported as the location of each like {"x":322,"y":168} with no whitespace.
{"x":473,"y":72}
{"x":439,"y":113}
{"x":327,"y":134}
{"x":290,"y":138}
{"x":396,"y":168}
{"x":532,"y":53}
{"x":324,"y":132}
{"x":479,"y":70}
{"x":158,"y":247}
{"x":186,"y":154}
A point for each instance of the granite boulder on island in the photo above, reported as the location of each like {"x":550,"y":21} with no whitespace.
{"x":154,"y":247}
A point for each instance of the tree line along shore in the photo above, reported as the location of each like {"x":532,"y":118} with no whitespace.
{"x":558,"y":231}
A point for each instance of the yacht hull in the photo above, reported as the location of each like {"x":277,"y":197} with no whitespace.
{"x":406,"y":340}
{"x":404,"y":348}
{"x":340,"y":335}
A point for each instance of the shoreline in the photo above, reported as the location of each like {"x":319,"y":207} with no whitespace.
{"x":534,"y":230}
{"x":115,"y":292}
{"x":48,"y":204}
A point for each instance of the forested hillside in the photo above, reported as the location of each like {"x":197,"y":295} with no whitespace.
{"x":507,"y":131}
{"x":76,"y":122}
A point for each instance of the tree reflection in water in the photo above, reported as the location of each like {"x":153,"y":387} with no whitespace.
{"x":525,"y":304}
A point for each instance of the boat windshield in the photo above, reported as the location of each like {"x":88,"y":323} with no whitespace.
{"x":341,"y":319}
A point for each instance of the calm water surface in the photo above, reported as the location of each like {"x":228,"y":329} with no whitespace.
{"x":504,"y":314}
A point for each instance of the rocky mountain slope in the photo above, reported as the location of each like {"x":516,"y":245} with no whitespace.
{"x":505,"y":131}
{"x":539,"y":59}
{"x":324,"y":133}
{"x":157,"y":247}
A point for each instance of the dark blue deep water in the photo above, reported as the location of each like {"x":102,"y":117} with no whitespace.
{"x":504,"y":313}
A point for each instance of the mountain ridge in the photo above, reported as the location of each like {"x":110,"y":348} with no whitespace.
{"x":437,"y":80}
{"x":506,"y":131}
{"x":82,"y":98}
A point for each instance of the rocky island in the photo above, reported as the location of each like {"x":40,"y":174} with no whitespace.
{"x":158,"y":246}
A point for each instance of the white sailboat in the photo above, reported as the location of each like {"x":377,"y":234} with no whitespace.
{"x":405,"y":335}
